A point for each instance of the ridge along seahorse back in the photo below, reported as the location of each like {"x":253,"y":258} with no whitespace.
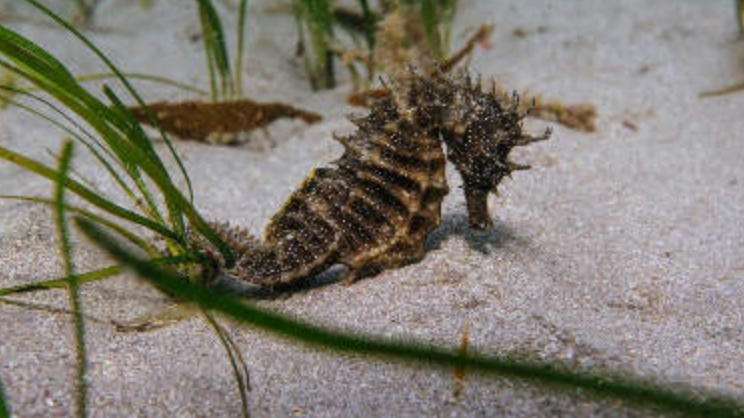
{"x":373,"y":208}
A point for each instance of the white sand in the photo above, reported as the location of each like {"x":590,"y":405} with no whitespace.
{"x":620,"y":250}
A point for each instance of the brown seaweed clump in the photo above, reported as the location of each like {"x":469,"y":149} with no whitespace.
{"x":218,"y":122}
{"x":580,"y":117}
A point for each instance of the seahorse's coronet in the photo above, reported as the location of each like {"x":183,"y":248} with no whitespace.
{"x":372,"y":208}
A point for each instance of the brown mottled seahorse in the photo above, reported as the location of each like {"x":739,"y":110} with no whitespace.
{"x":373,"y":208}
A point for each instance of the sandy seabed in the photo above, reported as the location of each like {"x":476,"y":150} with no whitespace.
{"x":620,"y":250}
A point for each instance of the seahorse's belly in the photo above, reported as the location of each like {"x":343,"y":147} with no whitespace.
{"x":394,"y":202}
{"x":370,"y":211}
{"x":304,"y":236}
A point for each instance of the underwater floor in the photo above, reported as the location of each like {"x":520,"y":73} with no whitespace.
{"x":620,"y":250}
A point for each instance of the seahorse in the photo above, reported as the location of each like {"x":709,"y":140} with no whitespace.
{"x":372,"y":208}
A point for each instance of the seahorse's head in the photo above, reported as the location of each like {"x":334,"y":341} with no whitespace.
{"x":457,"y":106}
{"x":479,"y":129}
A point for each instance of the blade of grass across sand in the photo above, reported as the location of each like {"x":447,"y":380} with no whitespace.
{"x":316,"y":18}
{"x":218,"y":59}
{"x":69,"y":268}
{"x":214,"y":90}
{"x":242,"y":9}
{"x":118,"y":129}
{"x":636,"y":392}
{"x":233,"y":354}
{"x":321,"y":29}
{"x":89,"y":277}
